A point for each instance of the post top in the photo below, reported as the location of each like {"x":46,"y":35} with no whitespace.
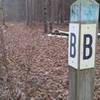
{"x":84,"y":11}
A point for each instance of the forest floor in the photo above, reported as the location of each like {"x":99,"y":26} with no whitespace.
{"x":37,"y":65}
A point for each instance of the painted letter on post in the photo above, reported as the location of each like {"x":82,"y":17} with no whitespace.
{"x":87,"y":46}
{"x":73,"y":45}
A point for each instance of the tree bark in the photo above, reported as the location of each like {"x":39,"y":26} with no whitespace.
{"x":50,"y":15}
{"x":45,"y":17}
{"x":29,"y":12}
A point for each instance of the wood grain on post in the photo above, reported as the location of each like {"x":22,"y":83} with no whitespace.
{"x":81,"y":84}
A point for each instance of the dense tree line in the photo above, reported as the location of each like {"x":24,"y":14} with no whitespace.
{"x":33,"y":11}
{"x":17,"y":10}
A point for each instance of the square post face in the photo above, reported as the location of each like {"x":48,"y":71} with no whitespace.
{"x":82,"y":37}
{"x":73,"y":45}
{"x":87,"y":46}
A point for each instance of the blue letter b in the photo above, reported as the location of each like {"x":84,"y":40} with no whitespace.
{"x":72,"y":45}
{"x":87,"y":46}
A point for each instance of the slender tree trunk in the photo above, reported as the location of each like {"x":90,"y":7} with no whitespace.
{"x":26,"y":12}
{"x":50,"y":15}
{"x":45,"y":17}
{"x":29,"y":12}
{"x":3,"y":12}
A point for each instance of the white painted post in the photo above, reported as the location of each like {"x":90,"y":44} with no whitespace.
{"x":82,"y":44}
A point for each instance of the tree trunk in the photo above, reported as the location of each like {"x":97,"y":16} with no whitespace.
{"x":29,"y":12}
{"x":50,"y":15}
{"x":45,"y":17}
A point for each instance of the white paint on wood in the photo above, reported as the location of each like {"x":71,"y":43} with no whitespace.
{"x":91,"y":30}
{"x":82,"y":47}
{"x":73,"y":61}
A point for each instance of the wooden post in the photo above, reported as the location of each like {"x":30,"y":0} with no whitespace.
{"x":82,"y":44}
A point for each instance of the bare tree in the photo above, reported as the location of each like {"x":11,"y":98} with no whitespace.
{"x":45,"y":17}
{"x":29,"y":12}
{"x":50,"y":15}
{"x":2,"y":9}
{"x":60,"y":12}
